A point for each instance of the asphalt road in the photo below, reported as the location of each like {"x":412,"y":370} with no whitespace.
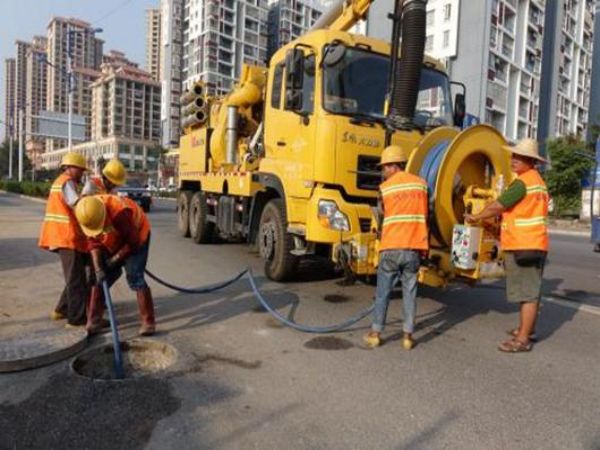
{"x":243,"y":381}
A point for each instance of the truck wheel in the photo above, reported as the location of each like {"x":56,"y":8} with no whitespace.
{"x":183,"y":212}
{"x":201,"y":230}
{"x":275,"y":244}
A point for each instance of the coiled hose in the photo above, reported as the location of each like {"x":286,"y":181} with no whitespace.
{"x":296,"y":326}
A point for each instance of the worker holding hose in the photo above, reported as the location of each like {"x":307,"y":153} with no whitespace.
{"x":524,"y":239}
{"x":113,"y":176}
{"x":404,"y":237}
{"x":118,"y":235}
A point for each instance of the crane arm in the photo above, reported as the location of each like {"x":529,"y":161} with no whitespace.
{"x":343,"y":15}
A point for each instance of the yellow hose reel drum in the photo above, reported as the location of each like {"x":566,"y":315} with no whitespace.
{"x":452,"y":161}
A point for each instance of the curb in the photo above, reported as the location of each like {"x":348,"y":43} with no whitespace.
{"x":26,"y":197}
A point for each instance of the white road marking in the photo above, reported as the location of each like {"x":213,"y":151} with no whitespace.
{"x":573,"y":305}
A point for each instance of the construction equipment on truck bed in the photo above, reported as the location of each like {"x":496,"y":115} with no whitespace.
{"x":288,"y":159}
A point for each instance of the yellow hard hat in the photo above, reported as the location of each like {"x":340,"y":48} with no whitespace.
{"x":74,"y":159}
{"x":115,"y":172}
{"x":393,"y":154}
{"x":90,"y":213}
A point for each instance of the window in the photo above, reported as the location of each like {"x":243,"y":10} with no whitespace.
{"x":447,"y":12}
{"x":276,"y":89}
{"x":446,"y":42}
{"x":430,"y":18}
{"x":429,"y":43}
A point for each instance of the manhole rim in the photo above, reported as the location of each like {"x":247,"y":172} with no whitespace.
{"x":126,"y":379}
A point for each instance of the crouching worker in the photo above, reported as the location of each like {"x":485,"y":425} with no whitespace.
{"x":118,"y":235}
{"x":403,"y":238}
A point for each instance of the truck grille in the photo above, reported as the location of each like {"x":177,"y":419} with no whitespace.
{"x":368,"y":174}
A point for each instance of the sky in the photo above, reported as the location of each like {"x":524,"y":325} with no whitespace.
{"x":123,"y":23}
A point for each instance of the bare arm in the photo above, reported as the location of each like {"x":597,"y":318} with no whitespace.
{"x":494,"y":209}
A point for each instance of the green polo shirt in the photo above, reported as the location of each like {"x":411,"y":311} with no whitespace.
{"x":513,"y":195}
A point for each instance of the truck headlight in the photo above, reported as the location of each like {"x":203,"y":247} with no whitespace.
{"x":331,"y":217}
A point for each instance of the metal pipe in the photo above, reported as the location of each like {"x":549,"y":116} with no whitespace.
{"x":329,"y":16}
{"x":21,"y":117}
{"x":232,"y":134}
{"x":10,"y":151}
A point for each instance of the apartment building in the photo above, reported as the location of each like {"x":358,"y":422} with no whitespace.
{"x":219,"y":36}
{"x":20,"y":94}
{"x":35,"y":94}
{"x":86,"y":49}
{"x":171,"y":68}
{"x":125,"y":117}
{"x":594,"y":112}
{"x":153,"y":42}
{"x":567,"y":68}
{"x":9,"y":97}
{"x":288,"y":19}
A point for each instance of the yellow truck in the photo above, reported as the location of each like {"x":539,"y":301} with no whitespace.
{"x":288,"y":159}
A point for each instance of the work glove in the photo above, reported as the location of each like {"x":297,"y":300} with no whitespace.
{"x":118,"y":258}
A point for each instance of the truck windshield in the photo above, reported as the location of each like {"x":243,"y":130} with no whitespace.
{"x":356,"y":85}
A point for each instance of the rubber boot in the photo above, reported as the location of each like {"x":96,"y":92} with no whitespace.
{"x":95,"y":311}
{"x":146,"y":306}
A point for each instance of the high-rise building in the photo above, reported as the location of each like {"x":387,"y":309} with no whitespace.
{"x":153,"y":44}
{"x":20,"y":94}
{"x":9,"y":98}
{"x":35,"y":87}
{"x":86,"y":51}
{"x":594,"y":113}
{"x":289,"y":19}
{"x":219,"y":36}
{"x":170,"y":66}
{"x":125,"y":117}
{"x":501,"y":67}
{"x":567,"y":68}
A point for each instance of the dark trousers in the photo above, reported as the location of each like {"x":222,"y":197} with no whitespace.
{"x":74,"y":296}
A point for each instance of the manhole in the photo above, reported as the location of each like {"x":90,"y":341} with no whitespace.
{"x":140,"y":358}
{"x":336,"y":298}
{"x":328,"y":343}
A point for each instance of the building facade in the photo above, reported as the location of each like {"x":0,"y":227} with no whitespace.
{"x":125,"y":118}
{"x":35,"y":87}
{"x":288,"y":19}
{"x":171,"y":68}
{"x":86,"y":50}
{"x":9,"y":98}
{"x":567,"y":68}
{"x":153,"y":42}
{"x":20,"y":94}
{"x":594,"y":113}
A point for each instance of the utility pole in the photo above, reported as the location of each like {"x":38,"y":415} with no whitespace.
{"x":21,"y":117}
{"x":70,"y":87}
{"x":10,"y":146}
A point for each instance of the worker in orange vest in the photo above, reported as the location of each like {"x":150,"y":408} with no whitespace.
{"x":113,"y":176}
{"x":118,"y":235}
{"x":61,"y":233}
{"x":404,"y":238}
{"x":523,"y":238}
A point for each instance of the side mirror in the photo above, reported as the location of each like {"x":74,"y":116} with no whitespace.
{"x":294,"y":69}
{"x":460,"y":109}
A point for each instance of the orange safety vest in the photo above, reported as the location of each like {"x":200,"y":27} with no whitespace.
{"x":60,"y":228}
{"x":100,"y":188}
{"x":405,"y":213}
{"x":114,"y":204}
{"x":525,"y":225}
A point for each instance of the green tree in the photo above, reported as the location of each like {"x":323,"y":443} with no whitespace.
{"x":569,"y":166}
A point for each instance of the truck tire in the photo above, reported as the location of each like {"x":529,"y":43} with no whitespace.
{"x":201,"y":230}
{"x":275,"y":244}
{"x":183,"y":212}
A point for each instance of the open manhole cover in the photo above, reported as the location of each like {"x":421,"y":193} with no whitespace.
{"x":140,"y":358}
{"x":40,"y":348}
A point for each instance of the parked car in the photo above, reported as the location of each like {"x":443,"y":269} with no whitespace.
{"x":136,"y":192}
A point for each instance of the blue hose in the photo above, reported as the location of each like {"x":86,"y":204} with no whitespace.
{"x":296,"y":326}
{"x":114,"y":331}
